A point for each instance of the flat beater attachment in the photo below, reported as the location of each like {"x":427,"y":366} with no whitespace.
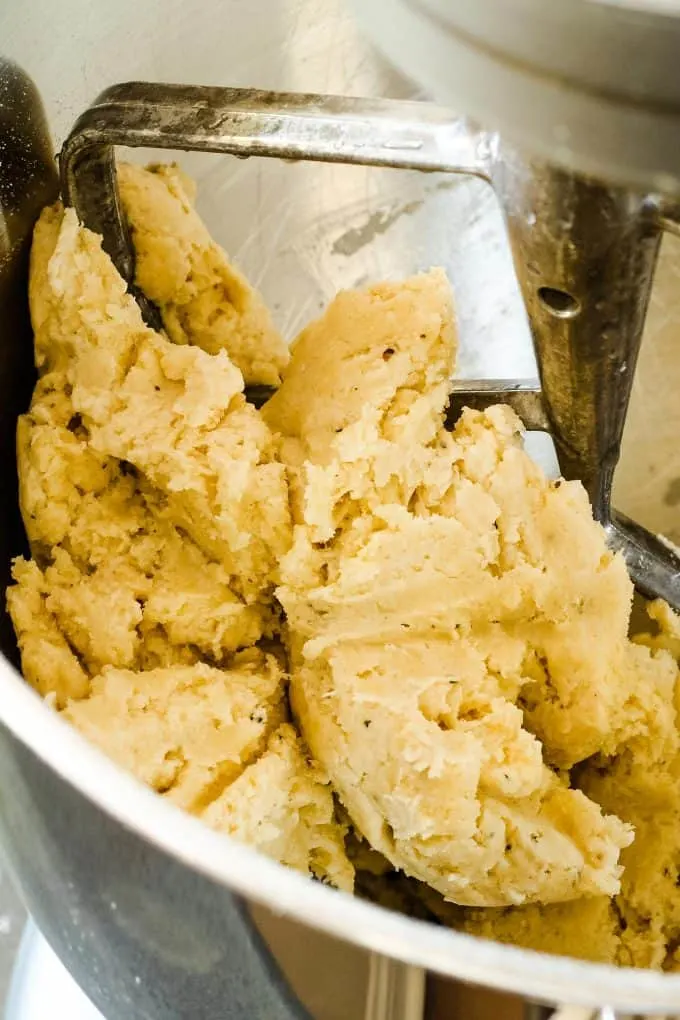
{"x":584,"y":252}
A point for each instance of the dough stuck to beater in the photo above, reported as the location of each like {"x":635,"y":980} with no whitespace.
{"x":334,"y":621}
{"x":203,"y":299}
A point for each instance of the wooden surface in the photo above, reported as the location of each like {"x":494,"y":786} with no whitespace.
{"x":449,"y":1000}
{"x":331,"y":978}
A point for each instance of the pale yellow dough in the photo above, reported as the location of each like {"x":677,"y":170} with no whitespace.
{"x":283,"y":805}
{"x":640,"y":927}
{"x":120,"y":581}
{"x":457,"y":623}
{"x":47,"y":660}
{"x":461,"y":676}
{"x":175,"y":413}
{"x":157,"y":513}
{"x":204,"y":300}
{"x":187,"y":731}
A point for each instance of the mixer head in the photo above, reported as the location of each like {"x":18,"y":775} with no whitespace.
{"x":589,"y":85}
{"x":585,"y":253}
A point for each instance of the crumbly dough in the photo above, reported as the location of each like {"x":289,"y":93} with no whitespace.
{"x":119,"y":580}
{"x":457,"y":623}
{"x":203,"y":299}
{"x":47,"y":661}
{"x":646,"y":793}
{"x":283,"y":805}
{"x":586,"y":929}
{"x":360,"y":412}
{"x":186,"y":731}
{"x":640,"y":927}
{"x":456,"y":629}
{"x":175,"y":413}
{"x":157,"y":512}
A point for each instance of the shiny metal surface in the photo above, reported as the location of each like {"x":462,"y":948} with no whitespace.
{"x":349,"y":984}
{"x":300,"y":232}
{"x":585,"y":256}
{"x":247,"y":123}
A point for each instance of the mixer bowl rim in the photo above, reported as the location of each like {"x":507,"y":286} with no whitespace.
{"x":249,"y":874}
{"x":664,"y":8}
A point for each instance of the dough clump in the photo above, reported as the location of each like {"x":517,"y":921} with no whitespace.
{"x":458,"y":628}
{"x":335,"y":629}
{"x":156,"y":511}
{"x":204,"y":300}
{"x":283,"y":805}
{"x":640,"y":926}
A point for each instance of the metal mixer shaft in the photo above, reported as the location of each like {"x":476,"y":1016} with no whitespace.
{"x":584,"y":253}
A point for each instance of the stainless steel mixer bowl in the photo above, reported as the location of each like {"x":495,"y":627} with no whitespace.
{"x":148,"y":908}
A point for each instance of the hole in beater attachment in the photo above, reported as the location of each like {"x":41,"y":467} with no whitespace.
{"x":559,"y":302}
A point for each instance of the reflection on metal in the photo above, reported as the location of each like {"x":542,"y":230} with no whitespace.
{"x":395,"y":991}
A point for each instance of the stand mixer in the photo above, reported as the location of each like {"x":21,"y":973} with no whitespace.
{"x":53,"y":816}
{"x":585,"y":250}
